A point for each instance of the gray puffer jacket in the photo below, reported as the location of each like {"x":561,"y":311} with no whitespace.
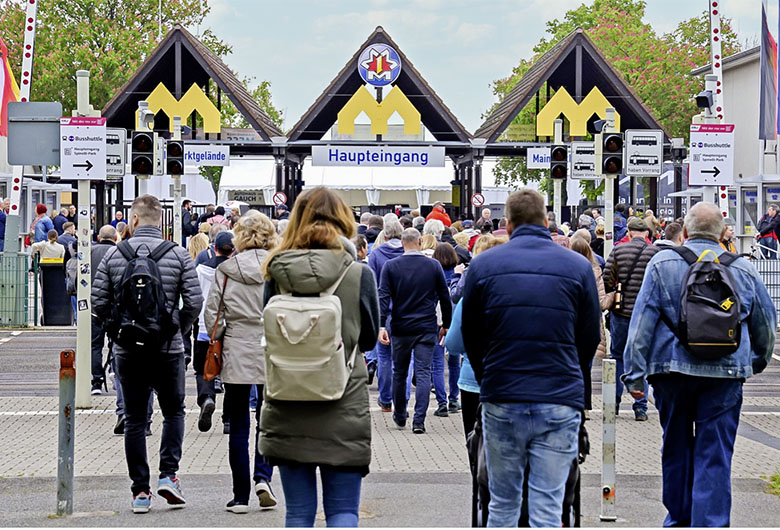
{"x":241,"y":320}
{"x":178,"y":275}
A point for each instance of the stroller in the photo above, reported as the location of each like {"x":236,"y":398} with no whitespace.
{"x":480,"y":499}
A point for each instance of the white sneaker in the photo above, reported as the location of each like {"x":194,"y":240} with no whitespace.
{"x":265,"y":494}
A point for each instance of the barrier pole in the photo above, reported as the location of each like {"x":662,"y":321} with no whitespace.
{"x":608,"y":477}
{"x":67,"y":424}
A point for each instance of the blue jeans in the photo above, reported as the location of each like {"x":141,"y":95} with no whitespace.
{"x":453,"y":369}
{"x":340,"y":495}
{"x":618,"y":329}
{"x":699,"y":417}
{"x":237,"y":414}
{"x":384,"y":372}
{"x":402,"y":347}
{"x":543,"y":435}
{"x":253,"y":397}
{"x":770,"y":243}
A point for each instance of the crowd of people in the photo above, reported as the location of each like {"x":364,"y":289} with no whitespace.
{"x":310,"y":308}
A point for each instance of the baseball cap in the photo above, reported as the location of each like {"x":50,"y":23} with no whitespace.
{"x":636,"y":224}
{"x":224,"y":241}
{"x":468,"y":223}
{"x":282,"y":207}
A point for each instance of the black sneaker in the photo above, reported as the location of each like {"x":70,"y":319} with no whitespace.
{"x":401,"y":423}
{"x":418,"y":428}
{"x":453,"y":407}
{"x":97,"y":389}
{"x":218,"y":389}
{"x":204,"y":420}
{"x":441,"y":411}
{"x":386,"y":407}
{"x":226,"y":428}
{"x":371,"y":367}
{"x":119,"y":428}
{"x":237,"y":507}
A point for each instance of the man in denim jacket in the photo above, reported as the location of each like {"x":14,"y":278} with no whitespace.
{"x":698,"y":401}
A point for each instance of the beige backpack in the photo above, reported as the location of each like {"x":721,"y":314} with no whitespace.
{"x":304,"y":351}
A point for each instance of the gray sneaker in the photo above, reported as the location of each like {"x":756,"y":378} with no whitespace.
{"x":265,"y":494}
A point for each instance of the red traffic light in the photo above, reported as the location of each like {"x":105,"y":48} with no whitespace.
{"x":143,"y":142}
{"x":175,"y":148}
{"x":142,"y":165}
{"x":613,"y":143}
{"x":175,"y":167}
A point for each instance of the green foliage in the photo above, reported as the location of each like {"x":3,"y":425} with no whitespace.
{"x":774,"y":485}
{"x":655,"y":66}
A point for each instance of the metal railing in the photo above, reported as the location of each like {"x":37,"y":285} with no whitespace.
{"x":769,"y":270}
{"x":15,"y":283}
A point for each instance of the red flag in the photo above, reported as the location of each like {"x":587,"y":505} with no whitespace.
{"x":9,"y":90}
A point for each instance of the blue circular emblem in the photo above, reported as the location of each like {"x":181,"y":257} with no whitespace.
{"x":379,"y":65}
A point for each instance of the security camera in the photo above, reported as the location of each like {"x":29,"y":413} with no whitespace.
{"x":704,"y":99}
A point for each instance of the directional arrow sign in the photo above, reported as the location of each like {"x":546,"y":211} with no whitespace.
{"x":83,"y":148}
{"x":711,"y":155}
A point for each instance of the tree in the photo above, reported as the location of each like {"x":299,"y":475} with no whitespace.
{"x":656,"y":66}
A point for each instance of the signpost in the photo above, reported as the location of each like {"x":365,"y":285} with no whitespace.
{"x":478,"y":200}
{"x":116,"y":152}
{"x":583,"y":161}
{"x":644,"y":155}
{"x":711,"y":155}
{"x":280,"y":198}
{"x":83,"y":148}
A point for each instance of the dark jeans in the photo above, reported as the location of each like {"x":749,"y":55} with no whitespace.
{"x":205,"y":388}
{"x":453,"y":374}
{"x":120,"y":400}
{"x":139,"y":374}
{"x":618,"y":329}
{"x":469,"y":404}
{"x":402,"y":347}
{"x":237,"y":413}
{"x":699,"y":416}
{"x":340,"y":495}
{"x":98,"y":341}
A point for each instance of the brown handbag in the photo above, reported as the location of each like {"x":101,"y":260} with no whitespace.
{"x":213,"y":365}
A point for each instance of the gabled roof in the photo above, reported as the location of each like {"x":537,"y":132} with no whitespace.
{"x":198,"y":64}
{"x":557,"y":66}
{"x":321,"y":116}
{"x":745,"y":56}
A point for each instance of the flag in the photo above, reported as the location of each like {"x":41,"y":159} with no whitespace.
{"x":768,"y":117}
{"x":9,"y":90}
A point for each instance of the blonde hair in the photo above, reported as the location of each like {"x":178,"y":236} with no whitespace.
{"x":254,"y":230}
{"x":486,"y":242}
{"x":429,"y":242}
{"x":318,"y":221}
{"x":461,"y":239}
{"x":198,"y":243}
{"x":380,"y":239}
{"x":204,"y":228}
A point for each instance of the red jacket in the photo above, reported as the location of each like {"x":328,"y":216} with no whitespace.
{"x":626,"y":240}
{"x":440,"y":216}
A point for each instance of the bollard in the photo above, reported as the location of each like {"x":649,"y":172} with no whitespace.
{"x":608,"y":380}
{"x":66,"y":433}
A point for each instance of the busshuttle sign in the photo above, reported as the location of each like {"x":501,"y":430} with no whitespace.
{"x":711,"y":155}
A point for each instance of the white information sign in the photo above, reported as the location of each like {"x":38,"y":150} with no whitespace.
{"x":376,"y":156}
{"x":711,"y":157}
{"x":116,"y":152}
{"x":644,"y":155}
{"x":538,"y":158}
{"x":583,"y":161}
{"x":83,"y":148}
{"x":206,"y":155}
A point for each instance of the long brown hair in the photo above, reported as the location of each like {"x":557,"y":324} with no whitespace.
{"x":317,"y":221}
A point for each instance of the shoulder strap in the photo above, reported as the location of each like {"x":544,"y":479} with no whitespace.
{"x":126,"y":249}
{"x":727,"y":258}
{"x":687,"y":254}
{"x":332,"y":288}
{"x":162,"y":249}
{"x":219,"y":309}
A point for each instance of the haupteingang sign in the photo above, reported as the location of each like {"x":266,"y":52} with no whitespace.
{"x":377,"y":156}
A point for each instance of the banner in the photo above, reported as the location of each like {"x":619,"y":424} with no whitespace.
{"x":768,"y":117}
{"x":9,"y":90}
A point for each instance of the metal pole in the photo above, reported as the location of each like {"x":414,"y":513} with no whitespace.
{"x":177,"y":236}
{"x":67,"y":433}
{"x":609,"y":214}
{"x":557,"y":140}
{"x":84,"y":281}
{"x":609,"y":371}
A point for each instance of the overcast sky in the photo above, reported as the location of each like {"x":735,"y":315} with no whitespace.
{"x":459,"y":46}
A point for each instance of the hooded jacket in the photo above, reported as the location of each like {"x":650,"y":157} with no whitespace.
{"x":333,"y":433}
{"x":382,"y":254}
{"x":206,"y":272}
{"x":241,"y":320}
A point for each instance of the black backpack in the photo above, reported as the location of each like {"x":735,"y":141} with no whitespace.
{"x":140,"y":317}
{"x":710,"y":324}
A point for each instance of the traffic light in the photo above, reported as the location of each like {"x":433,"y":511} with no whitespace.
{"x":174,"y":151}
{"x":143,"y":153}
{"x":612,"y":153}
{"x":559,"y":159}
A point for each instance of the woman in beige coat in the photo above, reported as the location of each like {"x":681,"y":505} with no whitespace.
{"x":238,"y":289}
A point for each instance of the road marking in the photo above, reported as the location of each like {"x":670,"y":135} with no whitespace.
{"x":3,"y":341}
{"x":776,"y":357}
{"x":16,"y":333}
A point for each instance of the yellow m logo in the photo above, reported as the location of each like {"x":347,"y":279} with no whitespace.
{"x":578,"y":115}
{"x":194,"y":99}
{"x":378,"y":113}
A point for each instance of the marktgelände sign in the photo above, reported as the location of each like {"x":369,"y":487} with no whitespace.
{"x":379,"y":156}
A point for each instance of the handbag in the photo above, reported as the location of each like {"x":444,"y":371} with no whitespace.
{"x":213,"y":365}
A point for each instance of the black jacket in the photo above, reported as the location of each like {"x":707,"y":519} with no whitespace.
{"x":618,"y":270}
{"x":767,"y":225}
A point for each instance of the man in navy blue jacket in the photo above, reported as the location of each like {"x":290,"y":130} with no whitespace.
{"x":409,"y":289}
{"x":531,"y":328}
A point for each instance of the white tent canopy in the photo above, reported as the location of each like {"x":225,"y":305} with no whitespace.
{"x":260,"y":175}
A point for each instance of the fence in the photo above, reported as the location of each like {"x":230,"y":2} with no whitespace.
{"x":769,"y":270}
{"x":15,"y":284}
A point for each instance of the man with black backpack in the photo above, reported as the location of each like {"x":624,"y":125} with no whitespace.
{"x":137,"y":293}
{"x":623,"y":274}
{"x":703,"y":323}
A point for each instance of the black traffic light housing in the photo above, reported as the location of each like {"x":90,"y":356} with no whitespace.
{"x":612,"y":153}
{"x":559,"y":160}
{"x":142,"y":161}
{"x":174,"y":155}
